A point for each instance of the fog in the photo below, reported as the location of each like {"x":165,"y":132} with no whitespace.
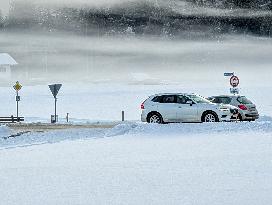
{"x":59,"y":57}
{"x":200,"y":55}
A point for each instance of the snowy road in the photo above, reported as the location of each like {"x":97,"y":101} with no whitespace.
{"x":222,"y":163}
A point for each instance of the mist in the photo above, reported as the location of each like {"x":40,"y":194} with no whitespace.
{"x":133,"y":45}
{"x":130,"y":59}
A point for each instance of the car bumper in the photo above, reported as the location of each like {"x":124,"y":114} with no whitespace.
{"x":251,"y":116}
{"x":144,"y":116}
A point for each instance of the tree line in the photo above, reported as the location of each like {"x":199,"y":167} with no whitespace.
{"x":144,"y":18}
{"x":242,"y":4}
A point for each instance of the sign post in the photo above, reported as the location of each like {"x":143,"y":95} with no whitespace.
{"x":228,"y":74}
{"x":17,"y":87}
{"x":55,"y":89}
{"x":234,"y":82}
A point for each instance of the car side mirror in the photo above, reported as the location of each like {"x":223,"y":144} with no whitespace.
{"x":190,"y":102}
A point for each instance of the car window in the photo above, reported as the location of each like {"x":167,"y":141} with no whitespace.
{"x":181,"y":99}
{"x":198,"y":99}
{"x":212,"y":99}
{"x":157,"y":99}
{"x":169,"y":99}
{"x":216,"y":100}
{"x":224,"y":100}
{"x":244,"y":100}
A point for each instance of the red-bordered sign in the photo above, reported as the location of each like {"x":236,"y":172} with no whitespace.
{"x":234,"y":81}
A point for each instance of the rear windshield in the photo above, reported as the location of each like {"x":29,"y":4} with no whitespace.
{"x":243,"y":100}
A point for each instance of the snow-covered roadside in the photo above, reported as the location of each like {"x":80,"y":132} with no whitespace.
{"x":222,"y":163}
{"x":132,"y":129}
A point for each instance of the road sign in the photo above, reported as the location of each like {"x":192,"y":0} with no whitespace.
{"x":234,"y":81}
{"x":55,"y":89}
{"x":234,"y":91}
{"x":17,"y":86}
{"x":228,"y":74}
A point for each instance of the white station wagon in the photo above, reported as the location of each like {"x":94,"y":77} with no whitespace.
{"x":247,"y":109}
{"x":183,"y":107}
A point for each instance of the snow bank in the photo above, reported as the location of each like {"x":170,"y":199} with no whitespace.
{"x":135,"y":163}
{"x":134,"y":129}
{"x":203,"y":129}
{"x":4,"y":131}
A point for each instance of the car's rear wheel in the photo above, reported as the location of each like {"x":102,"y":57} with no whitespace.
{"x":240,"y":118}
{"x":154,"y":118}
{"x":210,"y":117}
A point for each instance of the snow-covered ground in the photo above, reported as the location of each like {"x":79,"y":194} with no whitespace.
{"x":133,"y":163}
{"x":224,"y":163}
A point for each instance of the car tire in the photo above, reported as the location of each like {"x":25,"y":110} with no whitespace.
{"x":210,"y":117}
{"x":155,"y":118}
{"x":240,"y":118}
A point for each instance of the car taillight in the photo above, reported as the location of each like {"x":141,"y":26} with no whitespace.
{"x":142,"y":106}
{"x":242,"y":107}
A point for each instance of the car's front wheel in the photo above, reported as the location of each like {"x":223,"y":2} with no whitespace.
{"x":210,"y":117}
{"x":154,"y":118}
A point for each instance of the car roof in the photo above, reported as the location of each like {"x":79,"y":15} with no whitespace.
{"x":216,"y":96}
{"x":158,"y":94}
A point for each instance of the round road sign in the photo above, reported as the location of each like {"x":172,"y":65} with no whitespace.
{"x":234,"y":81}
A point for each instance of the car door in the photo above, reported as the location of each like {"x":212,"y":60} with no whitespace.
{"x":186,"y":112}
{"x":168,"y":108}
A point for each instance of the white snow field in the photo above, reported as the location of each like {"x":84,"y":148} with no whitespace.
{"x":133,"y":163}
{"x":223,"y":163}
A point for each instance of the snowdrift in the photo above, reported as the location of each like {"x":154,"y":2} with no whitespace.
{"x":9,"y":140}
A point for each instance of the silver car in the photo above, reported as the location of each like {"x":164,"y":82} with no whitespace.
{"x":247,"y":109}
{"x":184,"y":107}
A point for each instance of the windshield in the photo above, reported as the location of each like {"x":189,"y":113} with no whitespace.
{"x":198,"y":99}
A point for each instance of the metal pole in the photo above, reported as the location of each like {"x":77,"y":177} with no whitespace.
{"x":67,"y":117}
{"x":123,"y":116}
{"x":17,"y":105}
{"x":55,"y":109}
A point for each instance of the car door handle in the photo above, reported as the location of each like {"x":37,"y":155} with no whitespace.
{"x":179,"y":107}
